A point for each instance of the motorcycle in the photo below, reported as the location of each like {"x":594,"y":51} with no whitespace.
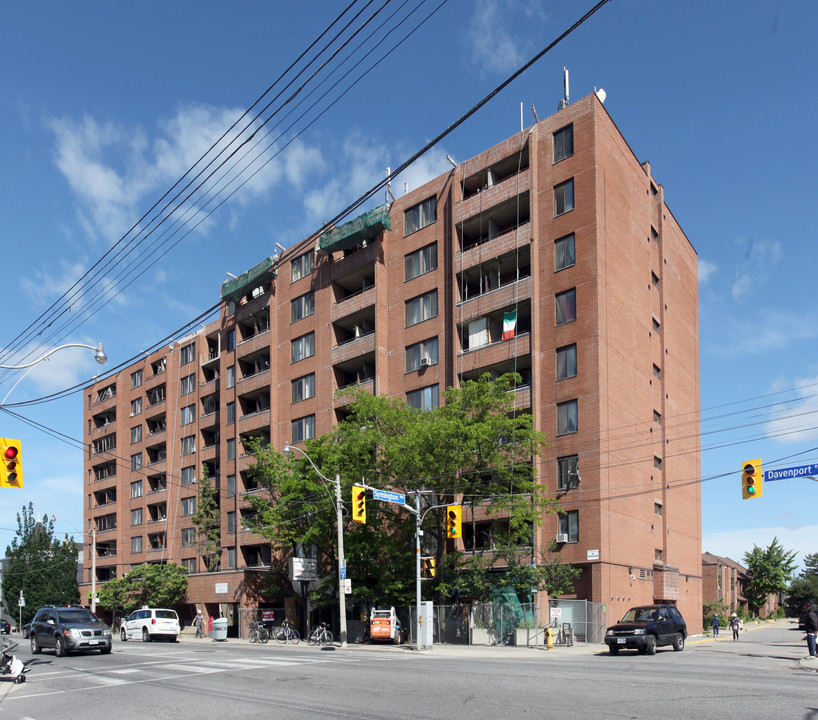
{"x":10,"y":664}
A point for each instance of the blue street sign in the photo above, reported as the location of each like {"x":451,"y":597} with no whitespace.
{"x":793,"y":472}
{"x":389,"y":496}
{"x":343,"y":573}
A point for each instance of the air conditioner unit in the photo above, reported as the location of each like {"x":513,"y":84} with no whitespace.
{"x":426,"y":361}
{"x":561,"y":538}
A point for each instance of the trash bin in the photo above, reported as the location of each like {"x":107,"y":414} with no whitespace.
{"x":219,"y":631}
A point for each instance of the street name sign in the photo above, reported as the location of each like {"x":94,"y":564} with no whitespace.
{"x":389,"y":496}
{"x":793,"y":472}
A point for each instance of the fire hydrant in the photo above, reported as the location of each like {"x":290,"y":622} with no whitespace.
{"x":549,"y":638}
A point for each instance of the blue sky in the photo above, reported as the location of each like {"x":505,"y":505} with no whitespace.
{"x":105,"y":105}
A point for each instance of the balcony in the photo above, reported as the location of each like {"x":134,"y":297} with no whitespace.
{"x":508,"y":218}
{"x":353,"y":348}
{"x":498,"y":192}
{"x":491,"y":301}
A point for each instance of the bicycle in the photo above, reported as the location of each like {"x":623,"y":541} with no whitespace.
{"x":287,"y":634}
{"x":320,"y":636}
{"x":258,"y":632}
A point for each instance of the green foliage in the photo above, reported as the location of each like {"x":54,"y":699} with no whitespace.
{"x":770,"y":571}
{"x":153,"y":585}
{"x":708,"y":609}
{"x":40,"y":565}
{"x":803,"y":590}
{"x":557,"y":578}
{"x":207,"y":521}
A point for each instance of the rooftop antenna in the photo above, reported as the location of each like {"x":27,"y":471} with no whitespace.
{"x":534,"y":112}
{"x":388,"y":193}
{"x":564,"y":102}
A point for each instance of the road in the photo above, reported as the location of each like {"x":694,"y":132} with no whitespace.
{"x":761,"y":676}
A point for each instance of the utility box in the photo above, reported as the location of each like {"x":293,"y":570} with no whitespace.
{"x":219,"y":631}
{"x":427,"y":628}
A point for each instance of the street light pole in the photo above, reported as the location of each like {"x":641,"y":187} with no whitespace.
{"x":99,"y":356}
{"x":339,"y":519}
{"x":93,"y":533}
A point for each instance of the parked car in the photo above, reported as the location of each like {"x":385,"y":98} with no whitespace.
{"x":5,"y":628}
{"x":68,"y":629}
{"x":150,"y":624}
{"x":647,"y":627}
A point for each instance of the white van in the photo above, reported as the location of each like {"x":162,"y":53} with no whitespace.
{"x":150,"y":624}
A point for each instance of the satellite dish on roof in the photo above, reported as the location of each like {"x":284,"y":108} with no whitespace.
{"x":601,"y":94}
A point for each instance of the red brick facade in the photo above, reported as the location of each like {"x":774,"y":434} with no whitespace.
{"x":502,"y":218}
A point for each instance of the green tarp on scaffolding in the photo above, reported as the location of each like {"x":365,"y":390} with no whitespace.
{"x":254,"y":274}
{"x":364,"y":227}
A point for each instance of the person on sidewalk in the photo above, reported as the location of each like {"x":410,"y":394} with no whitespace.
{"x":198,"y":622}
{"x":714,"y":622}
{"x":811,"y":626}
{"x":735,"y":625}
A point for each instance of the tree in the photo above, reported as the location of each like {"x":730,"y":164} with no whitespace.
{"x":770,"y":571}
{"x":803,"y":589}
{"x":207,"y":521}
{"x":41,"y":566}
{"x":150,"y":584}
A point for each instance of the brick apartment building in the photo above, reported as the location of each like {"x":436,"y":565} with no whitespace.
{"x":560,"y":223}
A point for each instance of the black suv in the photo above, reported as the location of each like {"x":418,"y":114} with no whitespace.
{"x":645,"y":628}
{"x":67,"y":629}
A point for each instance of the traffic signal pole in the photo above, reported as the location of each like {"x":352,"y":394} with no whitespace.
{"x":418,"y":536}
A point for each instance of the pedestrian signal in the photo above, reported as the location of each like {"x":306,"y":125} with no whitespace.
{"x":751,"y":479}
{"x":359,"y":504}
{"x":428,"y":567}
{"x":454,"y":527}
{"x":11,"y":468}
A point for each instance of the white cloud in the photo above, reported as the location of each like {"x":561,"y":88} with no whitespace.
{"x":734,"y":543}
{"x":706,"y":271}
{"x":495,"y":44}
{"x":765,"y":331}
{"x":759,"y":257}
{"x":797,"y":421}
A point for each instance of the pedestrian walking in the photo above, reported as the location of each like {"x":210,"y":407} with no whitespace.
{"x":735,"y":625}
{"x":714,"y":622}
{"x":198,"y":622}
{"x":811,"y":626}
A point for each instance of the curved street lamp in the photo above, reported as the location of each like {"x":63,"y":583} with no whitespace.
{"x":99,"y":356}
{"x":339,"y":522}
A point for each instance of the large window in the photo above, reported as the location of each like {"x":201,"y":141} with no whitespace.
{"x":564,"y":197}
{"x":302,"y":347}
{"x":566,"y":306}
{"x":303,"y":387}
{"x":567,"y":473}
{"x":564,"y":252}
{"x":421,"y":308}
{"x":231,"y":486}
{"x":136,"y":544}
{"x":136,"y":379}
{"x":424,"y":399}
{"x":136,"y":406}
{"x":419,"y":216}
{"x":566,"y":362}
{"x":136,"y":461}
{"x":189,"y":445}
{"x":188,"y":506}
{"x":302,"y":306}
{"x":421,"y":354}
{"x":301,"y":266}
{"x":187,"y":354}
{"x":231,"y":340}
{"x":188,"y":536}
{"x":563,"y":143}
{"x":188,"y":475}
{"x":136,"y":489}
{"x":231,"y":448}
{"x":188,"y":414}
{"x":231,"y":558}
{"x":136,"y":516}
{"x":231,"y":522}
{"x":187,"y":385}
{"x":567,"y":417}
{"x":569,"y":525}
{"x":303,"y":429}
{"x":231,"y":376}
{"x":420,"y":262}
{"x":136,"y":434}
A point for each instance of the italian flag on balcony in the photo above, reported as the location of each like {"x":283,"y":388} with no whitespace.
{"x":509,"y":325}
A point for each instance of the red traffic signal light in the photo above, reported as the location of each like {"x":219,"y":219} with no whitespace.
{"x":359,"y":504}
{"x":11,"y":468}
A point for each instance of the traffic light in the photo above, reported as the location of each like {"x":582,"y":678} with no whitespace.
{"x":428,"y":567}
{"x":751,"y":479}
{"x":359,"y":504}
{"x":11,"y":470}
{"x":453,"y":524}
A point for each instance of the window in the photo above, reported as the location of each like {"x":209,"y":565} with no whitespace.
{"x":188,"y":506}
{"x":567,"y":417}
{"x":303,"y":429}
{"x":655,"y":324}
{"x":424,"y":399}
{"x":136,"y":516}
{"x":564,"y":252}
{"x":136,"y":489}
{"x":657,"y":372}
{"x":421,"y":308}
{"x":301,"y":266}
{"x":136,"y":434}
{"x":657,"y":462}
{"x":231,"y":413}
{"x":230,"y":340}
{"x":657,"y":417}
{"x":231,"y":522}
{"x":420,"y":262}
{"x":567,"y":362}
{"x":136,"y":379}
{"x":564,"y":197}
{"x":188,"y":414}
{"x":187,"y":354}
{"x":231,"y":449}
{"x":136,"y":461}
{"x":563,"y":143}
{"x":302,"y":347}
{"x":419,"y":216}
{"x":231,"y":486}
{"x":188,"y":475}
{"x":187,"y":385}
{"x":421,"y":354}
{"x":231,"y":558}
{"x":567,"y":473}
{"x":657,"y":555}
{"x":231,"y":376}
{"x":136,"y":544}
{"x":189,"y":445}
{"x":302,"y":306}
{"x":188,"y":536}
{"x":566,"y":306}
{"x":569,"y":525}
{"x":136,"y":406}
{"x":654,"y":278}
{"x":303,"y":388}
{"x":189,"y":564}
{"x":657,"y":508}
